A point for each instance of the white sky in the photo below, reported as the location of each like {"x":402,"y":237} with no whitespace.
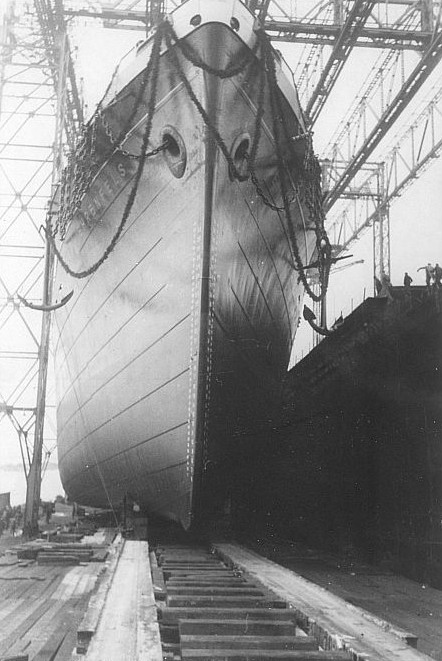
{"x":416,"y":218}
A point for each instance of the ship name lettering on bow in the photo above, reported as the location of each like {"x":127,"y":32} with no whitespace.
{"x":105,"y":189}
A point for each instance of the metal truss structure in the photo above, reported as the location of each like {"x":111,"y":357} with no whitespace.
{"x":364,"y":167}
{"x":376,"y":185}
{"x":27,"y":128}
{"x":37,"y":118}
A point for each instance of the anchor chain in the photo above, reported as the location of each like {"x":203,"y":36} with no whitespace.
{"x":153,"y":67}
{"x":83,"y":165}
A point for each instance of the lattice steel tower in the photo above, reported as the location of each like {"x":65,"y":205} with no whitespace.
{"x":35,"y":115}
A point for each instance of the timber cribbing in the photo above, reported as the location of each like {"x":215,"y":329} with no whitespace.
{"x":209,"y":609}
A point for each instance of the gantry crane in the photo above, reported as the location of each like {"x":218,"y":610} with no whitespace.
{"x":38,"y":80}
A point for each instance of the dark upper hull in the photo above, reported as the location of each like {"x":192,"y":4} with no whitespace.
{"x":180,"y":340}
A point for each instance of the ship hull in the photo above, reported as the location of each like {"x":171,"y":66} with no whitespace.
{"x":177,"y":344}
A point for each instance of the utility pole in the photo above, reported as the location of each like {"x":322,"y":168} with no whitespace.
{"x":33,"y":486}
{"x":30,"y":527}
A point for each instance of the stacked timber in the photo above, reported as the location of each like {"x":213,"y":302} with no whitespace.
{"x":66,"y":549}
{"x":43,"y":600}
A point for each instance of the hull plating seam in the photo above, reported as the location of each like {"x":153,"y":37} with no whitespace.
{"x":130,"y":225}
{"x":133,"y":447}
{"x":127,"y":366}
{"x":114,"y":290}
{"x":109,"y":340}
{"x":121,"y":412}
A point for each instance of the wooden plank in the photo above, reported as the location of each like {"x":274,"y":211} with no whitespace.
{"x":409,"y":638}
{"x":28,"y":610}
{"x":99,"y":555}
{"x":53,"y":608}
{"x":250,"y":642}
{"x":260,"y":655}
{"x":191,"y":566}
{"x":202,"y":601}
{"x":334,"y":622}
{"x":76,"y":582}
{"x":220,"y":580}
{"x":37,"y":612}
{"x":6,"y":608}
{"x":158,"y":584}
{"x":52,"y":646}
{"x":8,"y":561}
{"x":128,"y":628}
{"x":237,"y":627}
{"x":55,"y":559}
{"x":215,"y":590}
{"x":153,"y":561}
{"x":89,"y":623}
{"x":35,"y":637}
{"x":148,"y":633}
{"x":66,"y":537}
{"x":27,"y":553}
{"x":194,"y":573}
{"x":172,"y":615}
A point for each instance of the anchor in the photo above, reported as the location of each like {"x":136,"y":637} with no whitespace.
{"x":46,"y":308}
{"x":310,"y":317}
{"x":316,"y":264}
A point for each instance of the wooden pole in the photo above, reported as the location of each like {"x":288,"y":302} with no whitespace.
{"x":33,"y":489}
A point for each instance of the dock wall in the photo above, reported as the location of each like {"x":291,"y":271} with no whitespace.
{"x":356,"y":465}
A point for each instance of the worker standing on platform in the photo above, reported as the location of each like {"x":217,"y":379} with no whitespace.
{"x":429,"y":273}
{"x":386,"y":287}
{"x":407,"y":280}
{"x":437,"y":276}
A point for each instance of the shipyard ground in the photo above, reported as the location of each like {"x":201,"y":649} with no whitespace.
{"x":107,"y":608}
{"x":408,"y":605}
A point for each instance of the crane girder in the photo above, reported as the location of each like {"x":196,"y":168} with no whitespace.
{"x":290,"y":30}
{"x":343,"y":45}
{"x":407,"y":92}
{"x":146,"y":17}
{"x":53,"y":29}
{"x":367,"y":37}
{"x":382,"y":182}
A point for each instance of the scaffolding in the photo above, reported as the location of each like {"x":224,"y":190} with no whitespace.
{"x":37,"y":118}
{"x":27,"y":122}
